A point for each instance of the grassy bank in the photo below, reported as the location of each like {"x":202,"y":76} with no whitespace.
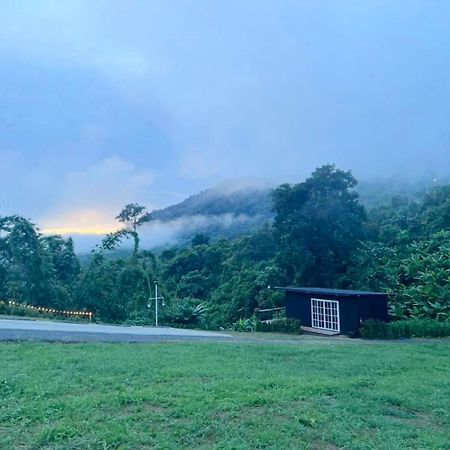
{"x":211,"y":395}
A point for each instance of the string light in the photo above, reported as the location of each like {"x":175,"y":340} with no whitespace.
{"x":49,"y":310}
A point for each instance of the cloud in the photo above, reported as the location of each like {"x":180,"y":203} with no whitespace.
{"x":80,"y":222}
{"x":89,"y":199}
{"x":230,"y":187}
{"x":110,"y":182}
{"x":201,"y":164}
{"x":158,"y":232}
{"x":131,"y":64}
{"x":154,"y":234}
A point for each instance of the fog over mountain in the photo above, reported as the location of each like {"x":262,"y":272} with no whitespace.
{"x":241,"y":206}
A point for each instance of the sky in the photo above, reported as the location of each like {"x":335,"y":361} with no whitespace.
{"x":106,"y":102}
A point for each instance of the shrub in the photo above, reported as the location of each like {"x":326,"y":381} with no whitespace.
{"x":280,"y":326}
{"x":245,"y":325}
{"x":187,"y":312}
{"x":374,"y":329}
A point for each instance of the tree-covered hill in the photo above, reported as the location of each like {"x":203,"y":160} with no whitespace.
{"x":249,"y":197}
{"x":230,"y":209}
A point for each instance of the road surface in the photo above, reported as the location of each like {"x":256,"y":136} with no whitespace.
{"x":43,"y":330}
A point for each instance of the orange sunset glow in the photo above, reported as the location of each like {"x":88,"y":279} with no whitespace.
{"x":87,"y":222}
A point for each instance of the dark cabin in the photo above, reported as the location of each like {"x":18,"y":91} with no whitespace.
{"x":334,"y":311}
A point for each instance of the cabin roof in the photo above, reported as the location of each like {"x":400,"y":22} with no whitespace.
{"x":334,"y":292}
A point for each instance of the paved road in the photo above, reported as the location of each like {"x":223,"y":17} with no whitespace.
{"x":42,"y":330}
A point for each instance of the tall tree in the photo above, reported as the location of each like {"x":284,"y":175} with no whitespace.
{"x":318,"y":225}
{"x":132,"y":216}
{"x":35,"y":269}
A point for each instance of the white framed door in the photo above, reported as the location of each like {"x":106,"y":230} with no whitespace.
{"x":325,"y":314}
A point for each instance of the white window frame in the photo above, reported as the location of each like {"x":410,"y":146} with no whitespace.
{"x":322,"y":314}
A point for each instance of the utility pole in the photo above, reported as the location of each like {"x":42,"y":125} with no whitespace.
{"x":156,"y":298}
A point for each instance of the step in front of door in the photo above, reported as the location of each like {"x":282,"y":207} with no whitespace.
{"x":319,"y":331}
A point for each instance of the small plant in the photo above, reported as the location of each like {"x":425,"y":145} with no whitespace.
{"x":374,"y":329}
{"x":245,"y":325}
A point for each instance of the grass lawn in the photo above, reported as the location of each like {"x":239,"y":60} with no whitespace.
{"x":225,"y":396}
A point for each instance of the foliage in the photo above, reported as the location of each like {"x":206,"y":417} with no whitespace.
{"x":245,"y":325}
{"x":132,"y":216}
{"x":284,"y":325}
{"x":35,"y":269}
{"x":424,"y":280}
{"x":318,"y":225}
{"x":278,"y":325}
{"x":118,"y":289}
{"x":186,"y":312}
{"x":200,"y":239}
{"x":374,"y":266}
{"x":374,"y":329}
{"x":435,"y":210}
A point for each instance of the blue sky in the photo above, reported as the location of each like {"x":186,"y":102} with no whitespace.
{"x":108,"y":102}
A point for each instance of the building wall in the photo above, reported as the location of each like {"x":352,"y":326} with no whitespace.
{"x":298,"y":306}
{"x":351,"y":310}
{"x":374,"y":309}
{"x":348,"y":311}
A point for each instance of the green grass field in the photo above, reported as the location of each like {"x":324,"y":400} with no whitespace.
{"x":225,"y":396}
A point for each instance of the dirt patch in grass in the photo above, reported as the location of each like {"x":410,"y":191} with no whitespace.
{"x":323,"y":445}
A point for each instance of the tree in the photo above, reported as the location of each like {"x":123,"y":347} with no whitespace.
{"x":200,"y":239}
{"x":318,"y":225}
{"x":435,"y":210}
{"x":118,"y":289}
{"x":63,"y":257}
{"x":132,"y":216}
{"x":127,"y":287}
{"x":35,"y":269}
{"x":22,"y":260}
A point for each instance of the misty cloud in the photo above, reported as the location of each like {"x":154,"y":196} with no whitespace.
{"x":105,"y":103}
{"x":159,"y":233}
{"x":91,"y":198}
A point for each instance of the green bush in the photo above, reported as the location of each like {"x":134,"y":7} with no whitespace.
{"x":186,"y":313}
{"x":245,"y":325}
{"x":280,"y":326}
{"x":374,"y":329}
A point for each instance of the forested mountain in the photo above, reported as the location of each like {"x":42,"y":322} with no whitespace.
{"x":230,"y":209}
{"x":250,"y":197}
